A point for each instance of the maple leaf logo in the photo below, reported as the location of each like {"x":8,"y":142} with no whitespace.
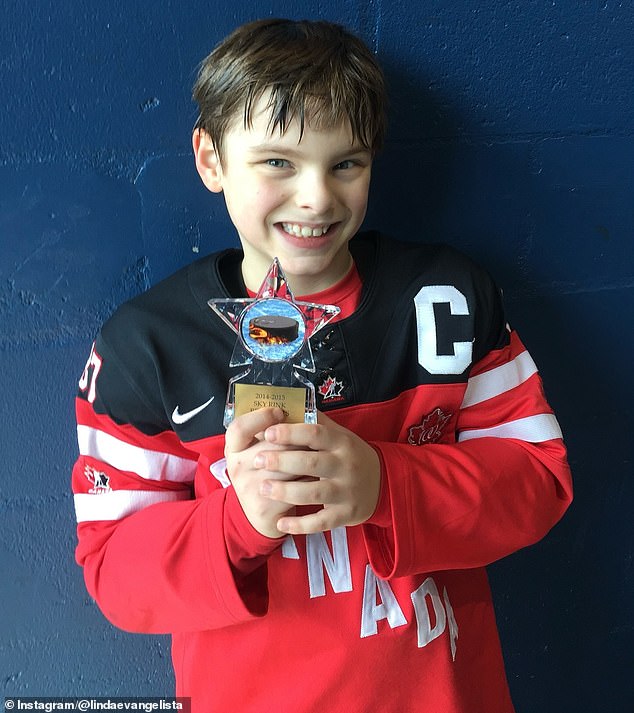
{"x":99,"y":480}
{"x":330,"y":388}
{"x":430,"y":430}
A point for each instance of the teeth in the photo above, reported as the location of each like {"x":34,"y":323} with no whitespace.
{"x":305,"y":231}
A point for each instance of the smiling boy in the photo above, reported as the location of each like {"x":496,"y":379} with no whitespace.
{"x":298,"y":198}
{"x":335,"y":566}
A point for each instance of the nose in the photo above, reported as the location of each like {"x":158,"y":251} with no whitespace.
{"x":314,"y":192}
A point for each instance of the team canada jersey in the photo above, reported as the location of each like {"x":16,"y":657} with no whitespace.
{"x":393,"y":615}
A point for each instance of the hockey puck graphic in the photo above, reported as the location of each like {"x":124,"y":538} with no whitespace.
{"x":273,"y":329}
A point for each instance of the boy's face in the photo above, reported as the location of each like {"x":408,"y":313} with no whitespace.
{"x":298,"y":200}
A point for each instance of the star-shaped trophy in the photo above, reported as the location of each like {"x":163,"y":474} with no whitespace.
{"x":273,"y":343}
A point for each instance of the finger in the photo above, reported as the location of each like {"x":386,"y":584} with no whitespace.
{"x":316,"y":437}
{"x":243,"y":430}
{"x":325,"y":519}
{"x":318,"y":464}
{"x":304,"y":491}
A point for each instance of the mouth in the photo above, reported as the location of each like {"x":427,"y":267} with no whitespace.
{"x":304,"y":230}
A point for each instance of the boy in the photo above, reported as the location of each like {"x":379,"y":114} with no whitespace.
{"x":335,"y":566}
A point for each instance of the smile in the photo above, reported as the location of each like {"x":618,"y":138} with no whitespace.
{"x":305,"y":231}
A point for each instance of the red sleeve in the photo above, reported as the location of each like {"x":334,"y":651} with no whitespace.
{"x":155,"y":559}
{"x":500,"y":487}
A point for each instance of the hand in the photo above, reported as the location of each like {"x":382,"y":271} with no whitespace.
{"x":244,"y":440}
{"x":323,"y":464}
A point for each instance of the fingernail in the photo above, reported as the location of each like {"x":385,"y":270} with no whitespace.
{"x":258,"y":461}
{"x":271,"y":433}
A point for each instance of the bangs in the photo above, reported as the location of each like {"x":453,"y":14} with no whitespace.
{"x":317,"y":110}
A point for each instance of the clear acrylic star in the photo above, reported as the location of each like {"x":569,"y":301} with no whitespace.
{"x":274,"y":296}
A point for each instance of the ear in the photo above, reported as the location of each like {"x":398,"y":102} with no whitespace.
{"x":207,"y":160}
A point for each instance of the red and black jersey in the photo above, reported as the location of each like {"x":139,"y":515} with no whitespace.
{"x":391,"y":615}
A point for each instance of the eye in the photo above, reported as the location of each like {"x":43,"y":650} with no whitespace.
{"x":277,"y":163}
{"x":345,"y":165}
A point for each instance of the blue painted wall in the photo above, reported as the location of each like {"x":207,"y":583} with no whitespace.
{"x":511,"y":137}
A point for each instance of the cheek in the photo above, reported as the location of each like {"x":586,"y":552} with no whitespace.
{"x":266,"y":199}
{"x":358,"y":200}
{"x":357,"y":191}
{"x":252,"y":205}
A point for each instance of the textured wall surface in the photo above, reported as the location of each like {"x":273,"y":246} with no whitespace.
{"x":511,"y":137}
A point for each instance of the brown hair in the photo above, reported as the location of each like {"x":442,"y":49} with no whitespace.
{"x":313,"y":71}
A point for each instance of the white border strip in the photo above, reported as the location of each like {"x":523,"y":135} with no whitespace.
{"x":117,"y":504}
{"x":151,"y":465}
{"x":533,"y":429}
{"x":499,"y":380}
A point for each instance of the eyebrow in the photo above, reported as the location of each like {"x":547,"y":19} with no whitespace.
{"x":274,"y":148}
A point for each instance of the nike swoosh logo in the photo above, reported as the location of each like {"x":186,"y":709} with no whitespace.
{"x":180,"y":418}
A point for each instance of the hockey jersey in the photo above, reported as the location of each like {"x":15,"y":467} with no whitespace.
{"x":393,"y":615}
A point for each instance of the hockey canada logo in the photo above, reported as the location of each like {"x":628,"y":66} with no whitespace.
{"x":99,"y":480}
{"x":430,"y":430}
{"x":330,"y":389}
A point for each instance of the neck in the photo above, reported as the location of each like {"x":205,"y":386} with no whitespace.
{"x":304,"y":284}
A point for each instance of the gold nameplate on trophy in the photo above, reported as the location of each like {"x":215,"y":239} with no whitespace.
{"x":250,"y":397}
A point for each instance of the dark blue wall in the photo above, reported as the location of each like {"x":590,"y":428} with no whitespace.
{"x":511,"y":137}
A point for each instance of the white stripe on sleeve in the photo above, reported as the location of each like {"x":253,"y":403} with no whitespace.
{"x":533,"y":429}
{"x":116,"y":504}
{"x":149,"y":464}
{"x":496,"y":381}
